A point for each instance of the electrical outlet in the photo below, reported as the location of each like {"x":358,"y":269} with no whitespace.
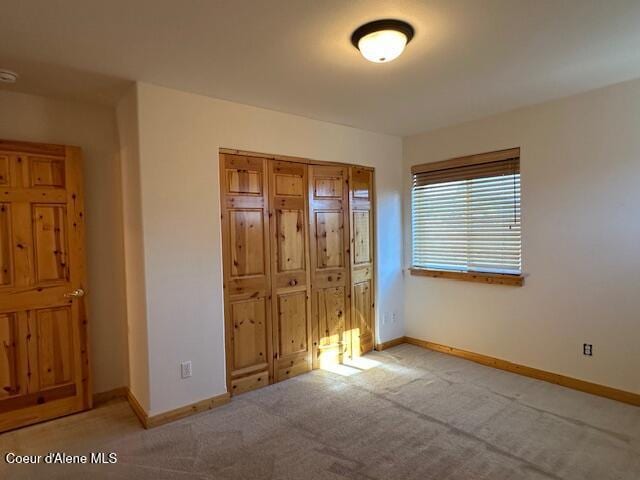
{"x":385,"y":318}
{"x":394,"y":317}
{"x":185,"y":369}
{"x":587,"y":349}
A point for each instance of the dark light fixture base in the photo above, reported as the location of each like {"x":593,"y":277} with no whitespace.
{"x":378,"y":25}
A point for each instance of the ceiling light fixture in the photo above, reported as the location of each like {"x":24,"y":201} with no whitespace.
{"x":7,"y":76}
{"x":383,"y":40}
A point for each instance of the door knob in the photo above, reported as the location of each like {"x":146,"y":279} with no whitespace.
{"x":77,"y":293}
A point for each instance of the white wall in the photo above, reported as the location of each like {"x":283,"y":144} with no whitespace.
{"x":39,"y":119}
{"x":580,"y":174}
{"x":127,"y":115}
{"x":180,"y":134}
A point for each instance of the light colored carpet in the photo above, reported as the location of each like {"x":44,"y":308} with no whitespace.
{"x":405,"y":413}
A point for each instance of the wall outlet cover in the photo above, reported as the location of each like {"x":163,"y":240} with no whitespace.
{"x":185,"y":369}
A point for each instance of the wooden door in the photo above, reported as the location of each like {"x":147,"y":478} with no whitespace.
{"x":291,"y":286}
{"x":247,"y":282}
{"x":44,"y":369}
{"x":362,"y":254}
{"x":329,"y":252}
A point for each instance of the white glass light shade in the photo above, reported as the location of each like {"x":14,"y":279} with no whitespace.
{"x":382,"y":46}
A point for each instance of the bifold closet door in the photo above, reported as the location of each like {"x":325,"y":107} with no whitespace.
{"x":329,"y":252}
{"x":298,"y":257}
{"x":362,"y":254}
{"x":247,"y":279}
{"x":291,"y":285}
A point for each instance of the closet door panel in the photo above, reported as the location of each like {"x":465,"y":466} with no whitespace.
{"x":290,"y":237}
{"x":330,"y":278}
{"x":292,"y":313}
{"x":362,"y":256}
{"x":249,"y":334}
{"x":361,"y":237}
{"x":290,"y":269}
{"x":363,"y":317}
{"x":332,"y":326}
{"x":246,"y":231}
{"x":247,"y":280}
{"x":330,"y":242}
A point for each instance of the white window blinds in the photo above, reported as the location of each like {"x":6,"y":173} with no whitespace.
{"x":466,"y":214}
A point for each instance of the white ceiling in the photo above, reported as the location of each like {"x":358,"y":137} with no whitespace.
{"x":469,"y":58}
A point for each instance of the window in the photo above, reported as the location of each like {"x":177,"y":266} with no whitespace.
{"x":466,"y":218}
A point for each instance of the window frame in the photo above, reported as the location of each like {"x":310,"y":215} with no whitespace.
{"x":465,"y":275}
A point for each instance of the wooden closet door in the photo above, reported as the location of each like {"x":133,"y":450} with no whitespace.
{"x":362,"y":257}
{"x":291,"y":285}
{"x":44,"y":366}
{"x":329,"y":252}
{"x":247,"y":282}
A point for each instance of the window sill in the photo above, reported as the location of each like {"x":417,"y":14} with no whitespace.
{"x":480,"y":277}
